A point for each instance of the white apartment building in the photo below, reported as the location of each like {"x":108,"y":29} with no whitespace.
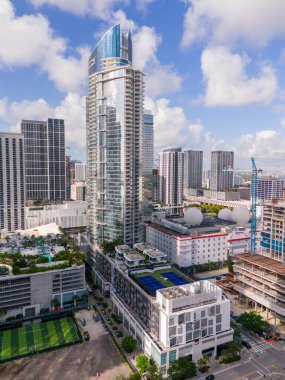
{"x":188,"y":320}
{"x":78,"y":191}
{"x":269,"y":188}
{"x":66,"y":215}
{"x":171,"y":167}
{"x":199,"y":247}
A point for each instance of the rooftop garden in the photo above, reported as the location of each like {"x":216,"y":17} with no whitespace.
{"x":29,"y":264}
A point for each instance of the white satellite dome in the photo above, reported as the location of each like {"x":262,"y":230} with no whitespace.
{"x":225,"y":214}
{"x":193,"y":216}
{"x":241,"y":216}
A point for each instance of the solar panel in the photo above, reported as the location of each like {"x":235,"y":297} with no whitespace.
{"x":175,"y":278}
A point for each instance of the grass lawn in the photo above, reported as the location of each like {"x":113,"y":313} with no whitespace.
{"x":157,"y":275}
{"x":37,"y":337}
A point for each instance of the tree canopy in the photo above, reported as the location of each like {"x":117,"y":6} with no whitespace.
{"x":253,"y":321}
{"x":129,"y":344}
{"x":182,"y":369}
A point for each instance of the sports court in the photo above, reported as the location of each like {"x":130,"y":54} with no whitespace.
{"x":161,"y":279}
{"x":175,"y":278}
{"x":36,"y":337}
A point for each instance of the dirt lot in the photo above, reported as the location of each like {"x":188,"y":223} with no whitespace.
{"x":82,"y":361}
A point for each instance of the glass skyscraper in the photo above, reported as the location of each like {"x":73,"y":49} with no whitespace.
{"x":45,"y":161}
{"x":114,"y":121}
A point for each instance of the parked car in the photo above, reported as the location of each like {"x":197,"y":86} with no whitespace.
{"x":246,"y":344}
{"x":210,"y":377}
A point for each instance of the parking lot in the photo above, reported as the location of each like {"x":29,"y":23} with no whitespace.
{"x":82,"y":361}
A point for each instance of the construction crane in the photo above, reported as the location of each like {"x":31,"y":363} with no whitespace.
{"x":254,"y":187}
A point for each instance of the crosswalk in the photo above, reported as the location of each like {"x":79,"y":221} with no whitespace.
{"x":259,"y":348}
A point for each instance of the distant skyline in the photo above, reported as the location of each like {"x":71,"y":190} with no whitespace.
{"x":210,"y":83}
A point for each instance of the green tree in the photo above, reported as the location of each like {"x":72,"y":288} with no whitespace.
{"x":182,"y":369}
{"x":231,"y":353}
{"x":253,"y":321}
{"x":134,"y":376}
{"x":108,"y":246}
{"x":203,"y":363}
{"x":230,"y":265}
{"x":153,"y":372}
{"x":54,"y":302}
{"x":129,"y":344}
{"x":142,"y":363}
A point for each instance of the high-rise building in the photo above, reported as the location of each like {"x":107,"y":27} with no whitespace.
{"x":12,"y":182}
{"x":45,"y":159}
{"x":269,"y":188}
{"x":72,"y":170}
{"x":206,"y":178}
{"x":155,"y":184}
{"x":171,"y":164}
{"x":222,"y":163}
{"x":147,"y":146}
{"x":68,"y":179}
{"x":193,"y":169}
{"x":147,"y":163}
{"x":80,"y":170}
{"x":114,"y":121}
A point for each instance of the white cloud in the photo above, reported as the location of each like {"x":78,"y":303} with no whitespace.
{"x":226,"y":21}
{"x":120,"y":17}
{"x":142,"y":5}
{"x":227,"y":83}
{"x":97,"y":8}
{"x":160,"y":79}
{"x":29,"y":40}
{"x":267,"y":144}
{"x":72,"y":109}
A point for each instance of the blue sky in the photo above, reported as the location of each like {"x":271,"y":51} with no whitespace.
{"x":214,"y":68}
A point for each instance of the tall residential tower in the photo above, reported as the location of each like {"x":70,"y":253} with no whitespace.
{"x":171,"y":163}
{"x":193,"y":169}
{"x":12,"y":182}
{"x":222,"y":163}
{"x":114,"y":121}
{"x":45,"y":159}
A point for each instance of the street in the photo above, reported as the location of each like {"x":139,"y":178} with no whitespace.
{"x":260,"y":361}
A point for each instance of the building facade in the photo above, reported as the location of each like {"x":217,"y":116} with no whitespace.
{"x":147,"y":164}
{"x":200,"y":247}
{"x":269,"y":188}
{"x":12,"y":182}
{"x":171,"y":169}
{"x":66,"y":215}
{"x":80,"y":172}
{"x":193,"y":169}
{"x":114,"y":141}
{"x":27,"y":294}
{"x":186,"y":320}
{"x":68,"y":178}
{"x":45,"y":161}
{"x":222,"y":163}
{"x":261,"y":277}
{"x":78,"y":191}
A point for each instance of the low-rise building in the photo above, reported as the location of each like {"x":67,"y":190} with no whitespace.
{"x":28,"y":294}
{"x":168,"y":321}
{"x":197,"y":245}
{"x":65,"y":215}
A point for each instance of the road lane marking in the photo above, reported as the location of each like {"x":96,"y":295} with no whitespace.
{"x":246,"y":374}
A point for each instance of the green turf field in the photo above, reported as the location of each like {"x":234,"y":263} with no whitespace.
{"x":37,"y":337}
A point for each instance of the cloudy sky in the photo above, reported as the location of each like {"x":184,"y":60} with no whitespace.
{"x":214,"y":68}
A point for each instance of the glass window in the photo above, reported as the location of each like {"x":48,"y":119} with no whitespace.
{"x":172,"y":356}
